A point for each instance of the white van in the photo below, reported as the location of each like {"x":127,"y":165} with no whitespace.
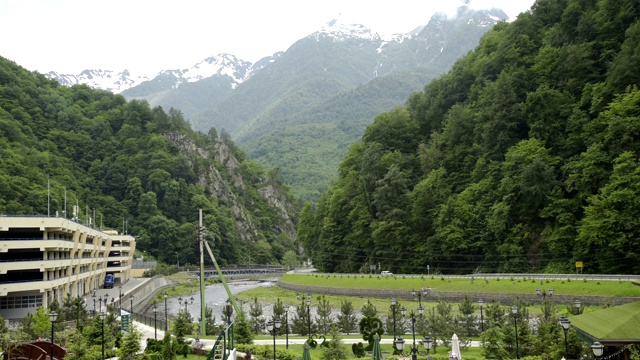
{"x":386,"y":273}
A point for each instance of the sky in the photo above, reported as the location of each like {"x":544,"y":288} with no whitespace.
{"x":146,"y":36}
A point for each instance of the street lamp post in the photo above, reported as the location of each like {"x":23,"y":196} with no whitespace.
{"x":53,"y":316}
{"x":577,"y":304}
{"x":424,"y":292}
{"x":102,"y":316}
{"x":94,"y":303}
{"x":598,"y":349}
{"x":566,"y":324}
{"x":481,"y":302}
{"x":106,"y":299}
{"x":273,"y":327}
{"x":393,"y":312}
{"x":399,"y":346}
{"x":228,"y":310}
{"x":155,"y":321}
{"x":514,"y":311}
{"x":166,"y":318}
{"x":185,"y":302}
{"x":308,"y":301}
{"x":120,"y":297}
{"x":414,"y":349}
{"x":286,"y":324}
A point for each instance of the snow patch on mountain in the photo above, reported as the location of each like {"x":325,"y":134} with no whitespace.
{"x":102,"y":79}
{"x":223,"y":64}
{"x":340,"y":31}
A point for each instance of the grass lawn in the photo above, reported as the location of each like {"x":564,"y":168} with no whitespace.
{"x":517,"y":285}
{"x":316,"y":353}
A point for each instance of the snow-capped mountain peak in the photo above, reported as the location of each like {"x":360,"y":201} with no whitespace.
{"x":97,"y":78}
{"x":340,"y":31}
{"x":222,"y":64}
{"x":117,"y":82}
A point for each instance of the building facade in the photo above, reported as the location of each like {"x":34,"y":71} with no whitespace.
{"x":43,"y":259}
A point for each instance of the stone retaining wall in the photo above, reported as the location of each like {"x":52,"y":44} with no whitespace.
{"x":456,"y":296}
{"x":145,"y":292}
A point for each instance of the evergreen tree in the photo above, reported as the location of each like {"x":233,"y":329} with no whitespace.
{"x":169,"y":347}
{"x":466,"y":319}
{"x":492,"y":344}
{"x":183,"y":325}
{"x":400,"y":321}
{"x":369,"y":310}
{"x":347,"y":318}
{"x":324,"y":319}
{"x":242,"y":330}
{"x":301,"y":320}
{"x":278,"y":313}
{"x":255,"y":313}
{"x":211,"y":327}
{"x":494,"y":314}
{"x":130,"y":344}
{"x":335,"y":350}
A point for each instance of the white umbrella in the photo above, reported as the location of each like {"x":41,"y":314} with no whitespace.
{"x":455,"y":347}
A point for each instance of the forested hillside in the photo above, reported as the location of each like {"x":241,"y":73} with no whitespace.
{"x":136,"y":165}
{"x":523,"y":158}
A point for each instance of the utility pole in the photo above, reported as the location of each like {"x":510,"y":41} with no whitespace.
{"x":203,"y":329}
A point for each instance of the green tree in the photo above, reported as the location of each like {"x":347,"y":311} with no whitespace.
{"x":37,"y":324}
{"x":255,"y":312}
{"x":324,"y":319}
{"x":183,"y":325}
{"x":242,"y":330}
{"x":609,"y":218}
{"x":290,"y":260}
{"x":170,"y":346}
{"x":492,"y":344}
{"x":369,"y":310}
{"x":130,"y":344}
{"x":278,"y":313}
{"x":347,"y":318}
{"x":302,"y":321}
{"x":399,"y":324}
{"x":335,"y":350}
{"x":494,"y":314}
{"x":211,"y":327}
{"x":466,"y":319}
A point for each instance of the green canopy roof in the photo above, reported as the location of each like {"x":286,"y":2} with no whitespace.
{"x":619,"y":323}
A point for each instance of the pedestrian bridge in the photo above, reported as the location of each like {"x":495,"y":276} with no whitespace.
{"x":240,"y":271}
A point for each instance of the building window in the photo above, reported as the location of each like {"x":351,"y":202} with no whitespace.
{"x":18,"y":302}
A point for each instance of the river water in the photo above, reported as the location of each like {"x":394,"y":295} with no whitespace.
{"x":215,"y":297}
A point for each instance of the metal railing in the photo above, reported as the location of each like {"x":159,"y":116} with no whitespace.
{"x":223,"y":344}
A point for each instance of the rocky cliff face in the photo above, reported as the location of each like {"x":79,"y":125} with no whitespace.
{"x":226,"y":187}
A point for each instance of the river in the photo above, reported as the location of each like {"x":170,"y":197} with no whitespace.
{"x":215,"y":297}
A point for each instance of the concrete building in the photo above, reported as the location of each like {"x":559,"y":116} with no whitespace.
{"x":49,"y":258}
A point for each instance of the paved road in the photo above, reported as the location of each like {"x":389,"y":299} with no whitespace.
{"x":112,"y":294}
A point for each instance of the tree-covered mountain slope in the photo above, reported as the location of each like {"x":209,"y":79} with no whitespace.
{"x":522,"y":158}
{"x":308,"y":145}
{"x":135,"y":165}
{"x":340,"y":83}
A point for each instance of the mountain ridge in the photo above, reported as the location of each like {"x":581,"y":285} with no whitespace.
{"x":118,"y":81}
{"x":315,"y":76}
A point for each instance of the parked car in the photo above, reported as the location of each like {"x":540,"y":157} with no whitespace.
{"x":386,"y":273}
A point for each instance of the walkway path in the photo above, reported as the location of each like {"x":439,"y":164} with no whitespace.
{"x":148,"y":332}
